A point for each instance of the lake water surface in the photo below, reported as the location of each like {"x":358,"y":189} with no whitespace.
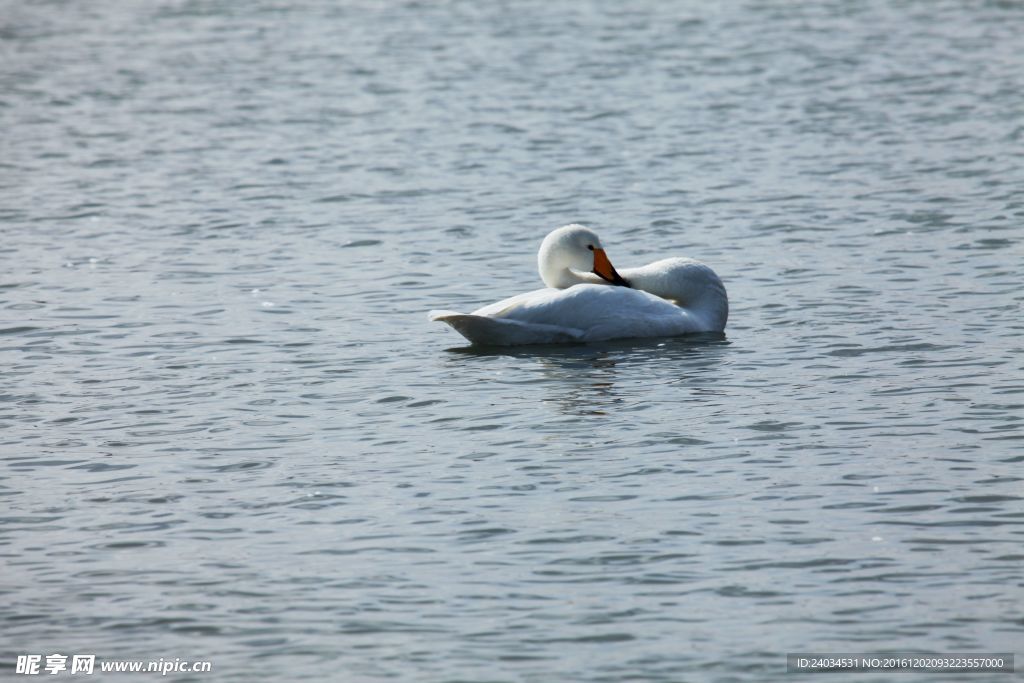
{"x":229,"y":432}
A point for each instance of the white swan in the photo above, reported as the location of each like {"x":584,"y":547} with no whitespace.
{"x":587,"y":300}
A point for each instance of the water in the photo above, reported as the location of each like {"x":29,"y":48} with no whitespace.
{"x":230,"y":433}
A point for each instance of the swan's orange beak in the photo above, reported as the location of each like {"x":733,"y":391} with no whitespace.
{"x":603,"y":269}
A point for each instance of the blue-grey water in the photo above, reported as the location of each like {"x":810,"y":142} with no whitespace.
{"x":229,"y":432}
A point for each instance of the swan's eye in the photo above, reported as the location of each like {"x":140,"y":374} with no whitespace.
{"x":590,"y":247}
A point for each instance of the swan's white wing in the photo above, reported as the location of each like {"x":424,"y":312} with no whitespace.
{"x":527,"y":300}
{"x":689,"y":284}
{"x":493,"y":325}
{"x":485,"y":331}
{"x":579,"y":313}
{"x":597,"y":311}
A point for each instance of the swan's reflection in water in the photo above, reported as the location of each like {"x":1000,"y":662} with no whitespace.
{"x":598,"y":378}
{"x":582,"y":387}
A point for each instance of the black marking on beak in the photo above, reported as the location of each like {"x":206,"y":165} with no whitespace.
{"x":615,"y":280}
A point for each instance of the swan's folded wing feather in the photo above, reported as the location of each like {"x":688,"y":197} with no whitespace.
{"x":585,"y":306}
{"x":508,"y":307}
{"x":485,"y":331}
{"x":580,"y":313}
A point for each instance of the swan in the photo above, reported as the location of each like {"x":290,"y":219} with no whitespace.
{"x":587,"y":300}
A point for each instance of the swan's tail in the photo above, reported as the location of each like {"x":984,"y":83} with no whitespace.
{"x":485,"y":331}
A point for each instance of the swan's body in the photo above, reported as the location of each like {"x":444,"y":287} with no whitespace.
{"x":587,"y":300}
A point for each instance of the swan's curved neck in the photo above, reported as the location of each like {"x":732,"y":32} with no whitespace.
{"x":563,"y":278}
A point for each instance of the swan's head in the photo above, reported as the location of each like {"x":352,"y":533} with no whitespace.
{"x":567,"y":255}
